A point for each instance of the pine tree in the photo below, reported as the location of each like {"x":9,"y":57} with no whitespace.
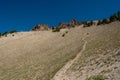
{"x":0,"y":34}
{"x":99,"y":22}
{"x":119,"y":15}
{"x":5,"y":34}
{"x":113,"y":18}
{"x":105,"y":21}
{"x":13,"y":31}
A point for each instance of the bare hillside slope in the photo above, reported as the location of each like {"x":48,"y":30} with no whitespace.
{"x":101,"y":58}
{"x":43,"y":55}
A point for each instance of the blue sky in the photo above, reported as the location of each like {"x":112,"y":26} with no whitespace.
{"x":22,"y":15}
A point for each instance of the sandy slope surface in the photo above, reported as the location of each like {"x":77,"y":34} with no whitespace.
{"x":61,"y":74}
{"x":44,"y":55}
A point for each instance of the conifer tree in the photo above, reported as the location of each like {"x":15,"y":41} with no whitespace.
{"x":113,"y":18}
{"x":119,"y":15}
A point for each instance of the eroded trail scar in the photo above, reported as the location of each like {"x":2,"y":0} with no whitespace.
{"x":61,"y":74}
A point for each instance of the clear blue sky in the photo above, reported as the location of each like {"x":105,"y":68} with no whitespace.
{"x":22,"y":15}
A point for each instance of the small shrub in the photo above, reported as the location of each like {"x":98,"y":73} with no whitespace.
{"x":99,"y":22}
{"x":63,"y":35}
{"x":0,"y":34}
{"x":88,"y":24}
{"x":91,"y":23}
{"x":66,"y":32}
{"x":118,"y":15}
{"x":105,"y":21}
{"x":56,"y":30}
{"x":13,"y":31}
{"x":96,"y":77}
{"x":13,"y":35}
{"x":5,"y":34}
{"x":113,"y":18}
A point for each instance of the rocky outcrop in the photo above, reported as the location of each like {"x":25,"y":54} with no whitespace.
{"x":41,"y":27}
{"x":45,"y":27}
{"x":64,"y":25}
{"x":71,"y":24}
{"x":75,"y":22}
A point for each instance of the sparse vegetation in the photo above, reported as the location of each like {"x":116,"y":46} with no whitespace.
{"x":13,"y":31}
{"x":57,"y":29}
{"x":99,"y":22}
{"x":105,"y":21}
{"x":113,"y":18}
{"x":63,"y":35}
{"x":119,"y":15}
{"x":5,"y":34}
{"x":88,"y":24}
{"x":96,"y":77}
{"x":13,"y":35}
{"x":0,"y":34}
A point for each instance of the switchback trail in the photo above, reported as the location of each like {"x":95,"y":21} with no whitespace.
{"x":61,"y":74}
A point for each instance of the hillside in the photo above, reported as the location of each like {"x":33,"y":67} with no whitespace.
{"x":78,"y":55}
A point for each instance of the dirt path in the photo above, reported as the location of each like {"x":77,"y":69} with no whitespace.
{"x":61,"y":74}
